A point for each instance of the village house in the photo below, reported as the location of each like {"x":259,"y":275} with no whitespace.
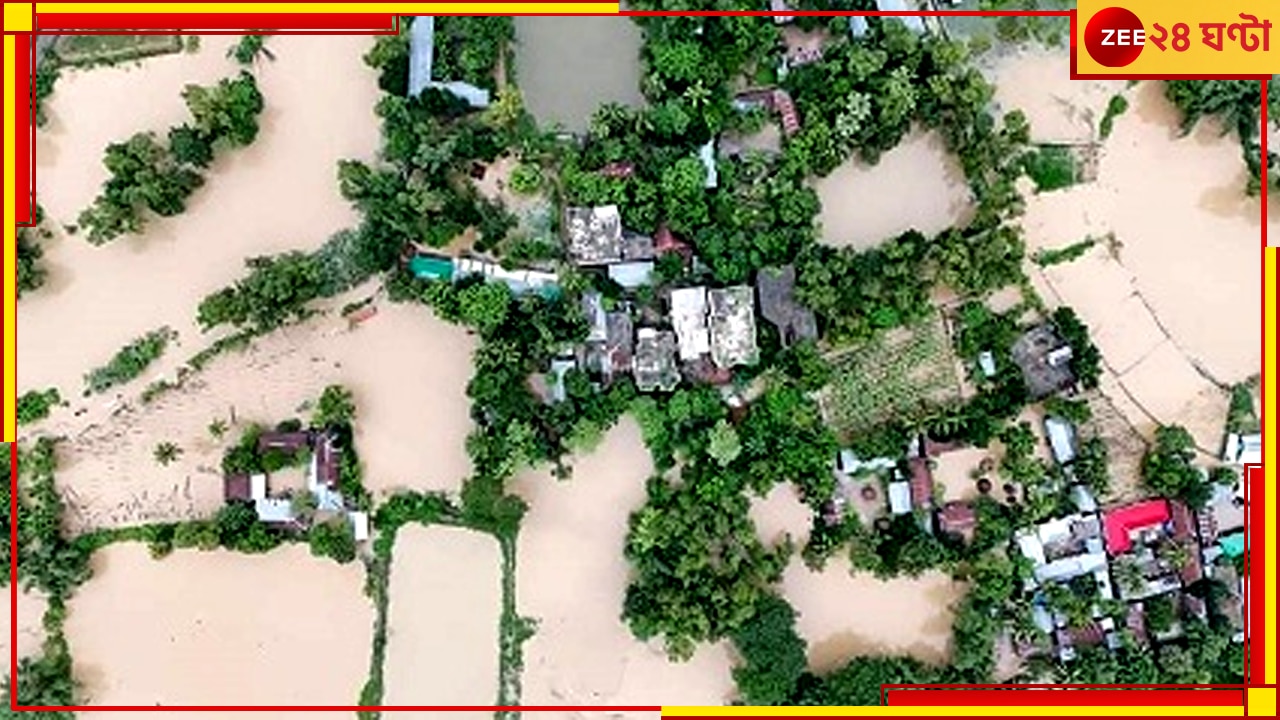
{"x":595,"y":237}
{"x":689,"y":319}
{"x":654,"y":364}
{"x":436,"y":268}
{"x":323,"y":481}
{"x":1062,"y":439}
{"x":959,"y":519}
{"x":1045,"y":361}
{"x":775,"y":288}
{"x":732,"y":322}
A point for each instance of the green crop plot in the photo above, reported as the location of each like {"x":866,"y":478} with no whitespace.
{"x":901,"y":374}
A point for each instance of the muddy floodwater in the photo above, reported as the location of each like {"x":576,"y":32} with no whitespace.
{"x":572,"y":577}
{"x":199,"y":628}
{"x":442,"y":626}
{"x":1169,"y":291}
{"x":917,"y":185}
{"x":280,"y":193}
{"x":567,"y":67}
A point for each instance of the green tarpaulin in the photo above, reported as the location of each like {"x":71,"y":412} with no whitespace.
{"x":1232,"y":545}
{"x":431,"y":268}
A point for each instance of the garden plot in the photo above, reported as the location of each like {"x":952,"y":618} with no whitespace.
{"x":902,"y":374}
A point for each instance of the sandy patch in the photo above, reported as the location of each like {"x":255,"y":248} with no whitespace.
{"x":279,"y":193}
{"x":31,"y":606}
{"x":917,"y":185}
{"x":955,"y":471}
{"x":843,"y":615}
{"x":407,"y":370}
{"x":446,"y":600}
{"x":780,"y":513}
{"x":572,"y":577}
{"x":217,"y":627}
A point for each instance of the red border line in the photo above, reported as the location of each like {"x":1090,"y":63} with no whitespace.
{"x":87,"y":23}
{"x":1255,"y":634}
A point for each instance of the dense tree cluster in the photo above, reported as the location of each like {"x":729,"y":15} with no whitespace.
{"x":35,"y":405}
{"x":1168,"y":469}
{"x":47,"y":560}
{"x":1237,"y":105}
{"x":155,"y":174}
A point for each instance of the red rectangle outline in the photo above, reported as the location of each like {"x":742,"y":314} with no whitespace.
{"x":24,"y":137}
{"x":1257,"y":648}
{"x":1025,"y":696}
{"x":218,"y":23}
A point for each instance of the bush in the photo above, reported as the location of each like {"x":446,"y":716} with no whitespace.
{"x":1115,"y":108}
{"x":132,"y":360}
{"x":526,"y":179}
{"x":1052,"y":167}
{"x":35,"y":405}
{"x":334,"y":540}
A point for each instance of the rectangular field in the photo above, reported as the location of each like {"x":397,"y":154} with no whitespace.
{"x":219,"y":628}
{"x":443,"y":618}
{"x":901,"y":374}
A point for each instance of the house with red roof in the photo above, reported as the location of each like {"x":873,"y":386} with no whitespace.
{"x":921,"y":482}
{"x":1120,"y":524}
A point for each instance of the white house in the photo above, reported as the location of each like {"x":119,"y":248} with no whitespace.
{"x":1243,"y":449}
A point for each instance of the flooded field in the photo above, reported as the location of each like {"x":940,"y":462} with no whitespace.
{"x":917,"y":185}
{"x":572,"y":576}
{"x":406,"y":369}
{"x":216,"y":628}
{"x":442,"y":625}
{"x":319,"y":109}
{"x":1168,"y":351}
{"x":567,"y":67}
{"x":843,"y":615}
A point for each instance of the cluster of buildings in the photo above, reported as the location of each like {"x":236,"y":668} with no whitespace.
{"x":276,"y":506}
{"x":1149,"y":551}
{"x":702,"y":336}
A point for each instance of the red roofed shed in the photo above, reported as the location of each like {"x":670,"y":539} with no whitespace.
{"x":1119,"y":522}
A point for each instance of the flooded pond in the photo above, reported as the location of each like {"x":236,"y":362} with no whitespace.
{"x":917,"y":185}
{"x":569,"y":66}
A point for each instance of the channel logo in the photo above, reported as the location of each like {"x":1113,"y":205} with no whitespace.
{"x":1114,"y":37}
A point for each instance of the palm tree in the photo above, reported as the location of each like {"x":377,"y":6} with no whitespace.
{"x":166,"y":452}
{"x":218,"y":428}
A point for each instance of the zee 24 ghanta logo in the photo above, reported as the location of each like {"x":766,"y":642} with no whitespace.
{"x":1115,"y":37}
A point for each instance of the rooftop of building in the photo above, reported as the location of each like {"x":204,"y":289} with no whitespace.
{"x":732,"y":322}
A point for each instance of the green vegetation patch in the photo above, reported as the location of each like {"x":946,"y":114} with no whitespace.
{"x":1116,"y":107}
{"x":35,"y":405}
{"x":89,"y":50}
{"x":130,"y":362}
{"x":1051,"y":167}
{"x":904,"y":373}
{"x":1057,"y":256}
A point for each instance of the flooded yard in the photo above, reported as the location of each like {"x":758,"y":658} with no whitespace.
{"x":407,"y":372}
{"x":567,"y":67}
{"x":917,"y":185}
{"x":843,"y":615}
{"x":217,"y":628}
{"x":572,"y":576}
{"x":319,"y":109}
{"x":442,"y":624}
{"x":1168,"y":351}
